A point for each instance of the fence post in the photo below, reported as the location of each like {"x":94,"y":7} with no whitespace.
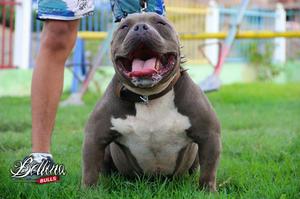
{"x":212,"y":21}
{"x":279,"y":55}
{"x":22,"y":34}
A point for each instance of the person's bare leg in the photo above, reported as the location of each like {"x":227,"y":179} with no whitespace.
{"x":57,"y":41}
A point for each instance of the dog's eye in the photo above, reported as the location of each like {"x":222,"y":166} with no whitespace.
{"x":124,"y":26}
{"x":161,"y":23}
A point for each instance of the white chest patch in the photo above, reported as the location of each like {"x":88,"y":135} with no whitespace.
{"x":155,"y":134}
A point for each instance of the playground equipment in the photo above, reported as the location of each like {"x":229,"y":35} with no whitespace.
{"x":208,"y":26}
{"x":184,"y":14}
{"x":76,"y":97}
{"x":213,"y":81}
{"x":190,"y":18}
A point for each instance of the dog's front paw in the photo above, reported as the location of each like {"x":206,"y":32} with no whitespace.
{"x":208,"y":185}
{"x":89,"y":181}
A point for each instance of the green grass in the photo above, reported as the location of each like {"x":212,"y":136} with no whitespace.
{"x":260,"y":159}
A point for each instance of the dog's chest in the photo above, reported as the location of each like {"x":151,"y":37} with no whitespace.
{"x":155,"y":134}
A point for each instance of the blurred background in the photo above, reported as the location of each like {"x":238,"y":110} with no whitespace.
{"x":249,"y":60}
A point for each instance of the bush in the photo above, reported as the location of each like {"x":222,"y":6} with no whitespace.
{"x":261,"y":58}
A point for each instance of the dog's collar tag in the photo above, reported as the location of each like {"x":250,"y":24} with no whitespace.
{"x":145,"y":99}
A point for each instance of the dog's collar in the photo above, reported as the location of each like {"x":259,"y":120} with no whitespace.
{"x":125,"y":94}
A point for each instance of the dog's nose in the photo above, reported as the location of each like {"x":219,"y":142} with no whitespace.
{"x":141,"y":27}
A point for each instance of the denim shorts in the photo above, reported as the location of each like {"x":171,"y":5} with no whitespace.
{"x":75,"y":9}
{"x":64,"y":9}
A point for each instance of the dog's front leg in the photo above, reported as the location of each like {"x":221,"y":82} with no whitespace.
{"x":209,"y":152}
{"x":93,"y":157}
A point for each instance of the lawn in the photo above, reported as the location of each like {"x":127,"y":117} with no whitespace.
{"x":260,"y":158}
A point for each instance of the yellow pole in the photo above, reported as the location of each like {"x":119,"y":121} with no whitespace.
{"x":241,"y":35}
{"x":201,"y":36}
{"x":88,"y":35}
{"x":184,"y":10}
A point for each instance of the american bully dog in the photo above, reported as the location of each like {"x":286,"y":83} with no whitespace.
{"x":152,"y":118}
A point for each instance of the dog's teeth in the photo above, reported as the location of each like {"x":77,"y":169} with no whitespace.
{"x":157,"y":63}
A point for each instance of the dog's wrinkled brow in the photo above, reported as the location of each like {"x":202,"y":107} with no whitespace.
{"x":126,"y":21}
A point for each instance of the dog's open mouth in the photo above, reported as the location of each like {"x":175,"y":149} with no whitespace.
{"x":146,"y":65}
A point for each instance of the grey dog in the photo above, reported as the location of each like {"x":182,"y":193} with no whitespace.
{"x":153,"y":119}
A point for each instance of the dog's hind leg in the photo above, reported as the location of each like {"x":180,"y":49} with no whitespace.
{"x":195,"y":166}
{"x":108,"y":164}
{"x":124,"y":161}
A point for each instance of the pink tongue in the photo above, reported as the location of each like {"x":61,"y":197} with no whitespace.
{"x":143,"y":68}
